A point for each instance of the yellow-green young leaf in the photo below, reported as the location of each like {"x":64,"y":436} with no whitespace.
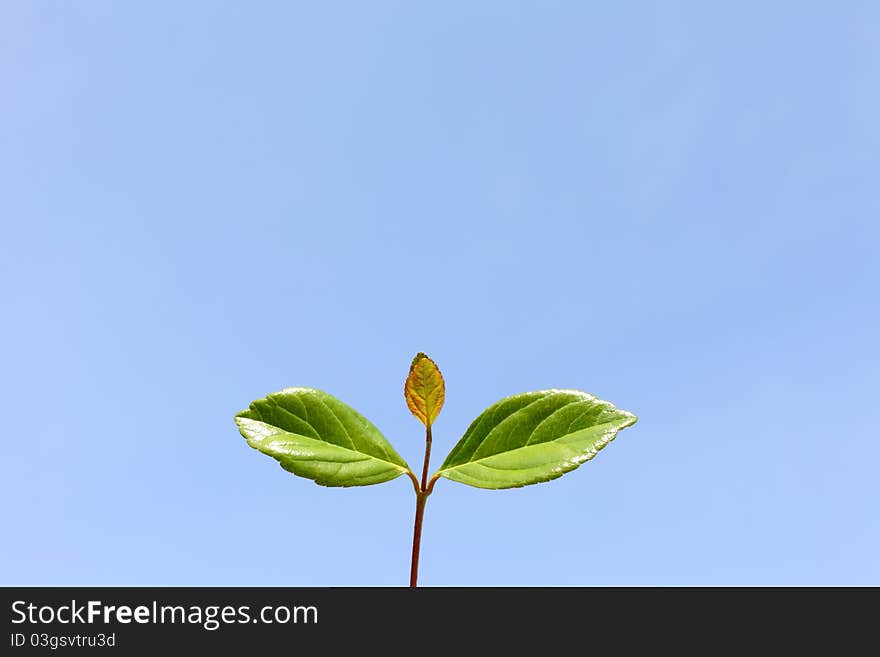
{"x":425,"y":389}
{"x":314,"y":435}
{"x":533,"y":437}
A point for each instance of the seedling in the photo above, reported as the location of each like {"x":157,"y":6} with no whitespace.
{"x":521,"y":440}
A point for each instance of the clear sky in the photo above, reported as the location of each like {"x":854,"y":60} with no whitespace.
{"x":673,"y":206}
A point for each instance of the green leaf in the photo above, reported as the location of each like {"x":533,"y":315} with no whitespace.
{"x":314,"y":435}
{"x":533,"y":437}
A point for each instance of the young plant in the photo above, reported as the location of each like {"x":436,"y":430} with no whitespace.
{"x":521,"y":440}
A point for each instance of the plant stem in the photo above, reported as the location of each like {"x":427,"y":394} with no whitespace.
{"x":427,"y":457}
{"x":421,"y":498}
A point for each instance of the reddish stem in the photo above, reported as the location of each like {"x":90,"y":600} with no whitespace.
{"x":422,"y":492}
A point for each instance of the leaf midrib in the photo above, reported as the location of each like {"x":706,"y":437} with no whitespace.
{"x":366,"y":456}
{"x":511,"y":451}
{"x":273,"y":399}
{"x":489,"y":433}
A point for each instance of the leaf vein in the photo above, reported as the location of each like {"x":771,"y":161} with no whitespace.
{"x":537,"y":426}
{"x":557,"y":442}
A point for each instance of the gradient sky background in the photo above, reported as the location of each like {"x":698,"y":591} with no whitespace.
{"x":673,"y":206}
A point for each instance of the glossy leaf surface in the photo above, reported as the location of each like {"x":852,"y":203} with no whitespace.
{"x":533,"y":437}
{"x":314,"y":435}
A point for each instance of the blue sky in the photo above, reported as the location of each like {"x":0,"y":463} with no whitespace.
{"x":673,"y":206}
